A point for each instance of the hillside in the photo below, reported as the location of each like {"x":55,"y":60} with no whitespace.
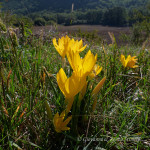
{"x":28,"y":6}
{"x":98,"y":12}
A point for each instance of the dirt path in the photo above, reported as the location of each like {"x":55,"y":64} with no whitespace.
{"x":101,"y":30}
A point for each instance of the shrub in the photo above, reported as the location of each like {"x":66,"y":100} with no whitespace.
{"x":39,"y":22}
{"x":140,"y":32}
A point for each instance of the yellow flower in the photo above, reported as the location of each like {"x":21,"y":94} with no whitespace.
{"x":82,"y":67}
{"x":65,"y":44}
{"x":98,"y":87}
{"x":129,"y":62}
{"x":96,"y":70}
{"x":62,"y":45}
{"x":76,"y":46}
{"x":69,"y":86}
{"x":59,"y":123}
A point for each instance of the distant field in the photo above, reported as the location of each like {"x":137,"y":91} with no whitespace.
{"x":101,"y":30}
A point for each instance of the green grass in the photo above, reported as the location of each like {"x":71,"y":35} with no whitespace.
{"x":121,"y":119}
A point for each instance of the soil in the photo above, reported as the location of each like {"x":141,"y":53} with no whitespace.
{"x":102,"y":31}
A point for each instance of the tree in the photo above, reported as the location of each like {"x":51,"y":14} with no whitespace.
{"x":115,"y":17}
{"x":94,"y":17}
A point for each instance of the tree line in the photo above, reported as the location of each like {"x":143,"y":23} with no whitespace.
{"x":98,"y":12}
{"x":117,"y":16}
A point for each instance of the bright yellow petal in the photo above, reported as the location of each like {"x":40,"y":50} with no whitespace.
{"x":135,"y":66}
{"x":73,"y":85}
{"x":98,"y":87}
{"x":62,"y":76}
{"x":98,"y":70}
{"x":83,"y":48}
{"x":75,"y":61}
{"x":127,"y":60}
{"x":131,"y":64}
{"x":59,"y":123}
{"x":133,"y":57}
{"x":82,"y":67}
{"x":80,"y":43}
{"x":96,"y":57}
{"x":63,"y":45}
{"x":88,"y":63}
{"x":61,"y":80}
{"x":67,"y":121}
{"x":70,"y":86}
{"x":80,"y":46}
{"x":76,"y":46}
{"x":123,"y":60}
{"x":59,"y":47}
{"x":65,"y":128}
{"x":54,"y":42}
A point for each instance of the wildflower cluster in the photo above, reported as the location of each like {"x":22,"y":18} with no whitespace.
{"x":70,"y":99}
{"x":77,"y":82}
{"x":75,"y":85}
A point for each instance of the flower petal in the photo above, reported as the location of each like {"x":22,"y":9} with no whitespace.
{"x":88,"y":63}
{"x":98,"y":87}
{"x":61,"y":80}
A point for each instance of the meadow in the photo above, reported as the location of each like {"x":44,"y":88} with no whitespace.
{"x":72,"y":92}
{"x":96,"y":32}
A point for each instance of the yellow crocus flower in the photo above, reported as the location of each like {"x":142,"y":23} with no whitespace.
{"x":96,"y":70}
{"x":65,"y":44}
{"x":62,"y":46}
{"x":129,"y":62}
{"x":59,"y":123}
{"x":82,"y":67}
{"x":69,"y":86}
{"x":76,"y":46}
